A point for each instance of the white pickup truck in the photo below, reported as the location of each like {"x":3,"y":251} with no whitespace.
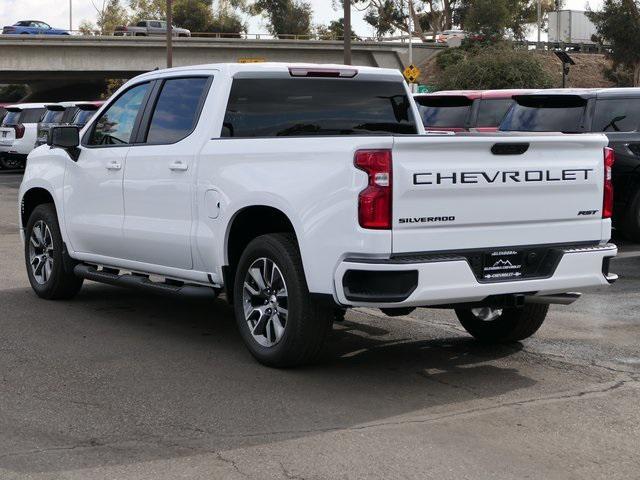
{"x":303,"y":190}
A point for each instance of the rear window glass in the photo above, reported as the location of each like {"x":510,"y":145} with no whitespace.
{"x":617,"y":115}
{"x":317,"y":106}
{"x":492,"y":112}
{"x":546,"y":114}
{"x":32,"y":115}
{"x":12,"y":118}
{"x":53,"y":116}
{"x":441,"y":111}
{"x":82,"y":117}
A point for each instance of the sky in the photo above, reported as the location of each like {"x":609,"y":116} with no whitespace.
{"x":56,"y":13}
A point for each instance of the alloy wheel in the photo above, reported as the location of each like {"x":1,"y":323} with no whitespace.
{"x":265,"y":302}
{"x":41,"y":251}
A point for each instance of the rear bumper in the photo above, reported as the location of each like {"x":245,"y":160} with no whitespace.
{"x":448,"y":280}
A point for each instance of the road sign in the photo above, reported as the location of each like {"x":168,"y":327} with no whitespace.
{"x":412,"y":73}
{"x":251,"y":60}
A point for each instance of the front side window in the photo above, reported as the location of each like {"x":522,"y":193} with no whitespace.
{"x":492,"y":112}
{"x":617,"y":115}
{"x":115,"y":125}
{"x":539,"y":113}
{"x":177,"y":110}
{"x":155,"y":24}
{"x":277,"y":107}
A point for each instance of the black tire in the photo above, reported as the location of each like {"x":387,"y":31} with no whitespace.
{"x":59,"y":283}
{"x":307,"y":321}
{"x":630,"y":224}
{"x":513,"y":325}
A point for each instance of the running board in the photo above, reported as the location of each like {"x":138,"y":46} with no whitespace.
{"x":112,"y":277}
{"x":560,"y":299}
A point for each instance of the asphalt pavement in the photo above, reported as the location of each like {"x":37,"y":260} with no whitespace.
{"x":118,"y":384}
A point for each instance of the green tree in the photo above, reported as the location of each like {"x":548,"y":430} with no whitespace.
{"x":147,"y":10}
{"x":497,"y":17}
{"x":618,"y":24}
{"x":285,"y":17}
{"x":110,"y":14}
{"x":493,"y":68}
{"x":195,"y":15}
{"x":392,"y":16}
{"x":333,"y":31}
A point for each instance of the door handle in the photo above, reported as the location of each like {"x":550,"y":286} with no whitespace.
{"x":178,"y":166}
{"x":114,"y":165}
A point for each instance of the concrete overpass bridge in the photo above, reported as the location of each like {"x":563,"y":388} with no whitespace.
{"x":61,"y":67}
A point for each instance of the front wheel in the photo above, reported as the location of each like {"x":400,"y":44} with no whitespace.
{"x":503,"y":325}
{"x":280,"y":322}
{"x":45,"y":257}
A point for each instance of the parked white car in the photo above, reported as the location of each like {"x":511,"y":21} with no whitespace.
{"x":18,"y":132}
{"x":300,"y":190}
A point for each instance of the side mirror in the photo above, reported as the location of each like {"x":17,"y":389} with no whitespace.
{"x":67,"y":138}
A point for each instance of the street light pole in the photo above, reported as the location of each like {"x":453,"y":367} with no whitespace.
{"x":169,"y":33}
{"x":410,"y":32}
{"x":70,"y":16}
{"x":347,"y":32}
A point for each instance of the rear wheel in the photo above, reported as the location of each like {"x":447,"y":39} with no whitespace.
{"x":45,"y":258}
{"x":503,"y":325}
{"x":281,"y":324}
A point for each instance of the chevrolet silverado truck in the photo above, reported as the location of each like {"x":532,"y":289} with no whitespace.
{"x":303,"y":190}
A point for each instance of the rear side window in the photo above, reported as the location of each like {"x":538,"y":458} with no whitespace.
{"x":554,"y":113}
{"x":32,"y":115}
{"x":492,"y":111}
{"x":617,"y":115}
{"x":53,"y":116}
{"x":12,"y":118}
{"x":444,"y":112}
{"x":316,"y":106}
{"x":177,"y":110}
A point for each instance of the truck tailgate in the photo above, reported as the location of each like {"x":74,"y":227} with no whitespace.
{"x":462,"y":192}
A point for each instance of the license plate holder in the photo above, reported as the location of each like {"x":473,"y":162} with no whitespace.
{"x":503,"y":264}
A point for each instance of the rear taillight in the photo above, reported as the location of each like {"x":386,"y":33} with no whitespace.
{"x":607,"y":203}
{"x":19,"y":128}
{"x":375,"y":201}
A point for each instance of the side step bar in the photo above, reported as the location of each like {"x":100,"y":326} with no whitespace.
{"x":111,"y":277}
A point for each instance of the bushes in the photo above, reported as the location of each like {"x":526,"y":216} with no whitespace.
{"x":491,"y":68}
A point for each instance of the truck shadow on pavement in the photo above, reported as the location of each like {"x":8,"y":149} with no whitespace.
{"x":117,"y":377}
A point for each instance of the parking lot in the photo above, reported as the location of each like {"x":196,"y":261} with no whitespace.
{"x":120,"y":384}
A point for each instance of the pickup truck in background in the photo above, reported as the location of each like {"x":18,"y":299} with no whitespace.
{"x":150,"y":28}
{"x":614,"y":112}
{"x":303,"y":190}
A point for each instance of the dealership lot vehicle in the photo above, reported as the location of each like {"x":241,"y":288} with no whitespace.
{"x":32,"y":27}
{"x":18,"y":132}
{"x":150,"y":28}
{"x":614,"y":112}
{"x":65,"y":113}
{"x":465,"y":110}
{"x":299,"y":189}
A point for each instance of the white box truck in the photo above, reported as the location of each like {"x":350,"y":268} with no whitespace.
{"x":570,"y":26}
